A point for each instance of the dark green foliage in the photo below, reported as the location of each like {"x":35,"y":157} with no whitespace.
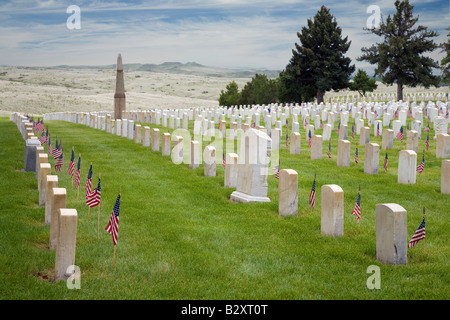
{"x":362,"y":83}
{"x":400,"y":57}
{"x":260,"y":90}
{"x":231,"y":96}
{"x":445,"y":62}
{"x":319,"y":61}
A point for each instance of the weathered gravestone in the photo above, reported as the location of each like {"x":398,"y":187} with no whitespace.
{"x":316,"y":147}
{"x":30,"y":155}
{"x":412,"y":140}
{"x":391,"y":241}
{"x":209,"y":161}
{"x":387,"y":140}
{"x":445,"y":177}
{"x":288,"y":193}
{"x":65,"y":248}
{"x":407,"y":167}
{"x":371,"y":158}
{"x":44,"y":171}
{"x":165,"y":148}
{"x":442,"y":146}
{"x":253,"y":162}
{"x":343,"y":153}
{"x":195,"y":155}
{"x":58,"y":201}
{"x":332,"y":210}
{"x":295,"y":143}
{"x":52,"y":182}
{"x":231,"y":170}
{"x":146,"y":138}
{"x":155,"y":139}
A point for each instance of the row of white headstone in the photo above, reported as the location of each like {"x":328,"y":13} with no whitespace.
{"x":251,"y":182}
{"x":62,"y":220}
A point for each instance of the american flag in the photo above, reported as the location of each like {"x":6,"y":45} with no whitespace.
{"x":113,"y":224}
{"x":253,"y":124}
{"x":339,"y":126}
{"x":356,"y":155}
{"x":427,"y":142}
{"x":312,"y":195}
{"x":42,"y":138}
{"x":386,"y":162}
{"x":93,"y":199}
{"x":277,"y":171}
{"x":71,"y":164}
{"x":59,"y":163}
{"x":321,"y":124}
{"x":309,"y":138}
{"x":223,"y":160}
{"x":56,"y":152}
{"x":40,"y":126}
{"x":378,"y":130}
{"x":78,"y":173}
{"x":88,"y":182}
{"x":427,"y":129}
{"x":400,"y":134}
{"x":418,"y":235}
{"x":329,"y":150}
{"x":46,"y":137}
{"x":357,"y":209}
{"x":421,"y":165}
{"x":49,"y":146}
{"x":287,"y":140}
{"x":287,"y":124}
{"x":353,"y":130}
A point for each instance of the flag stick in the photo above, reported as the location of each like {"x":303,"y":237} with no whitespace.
{"x":359,"y":230}
{"x":314,"y":196}
{"x":114,"y":256}
{"x":423,"y":243}
{"x":72,"y":174}
{"x":89,"y":212}
{"x":78,"y":189}
{"x":98,"y":215}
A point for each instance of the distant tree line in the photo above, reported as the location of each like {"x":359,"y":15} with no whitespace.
{"x":318,"y":63}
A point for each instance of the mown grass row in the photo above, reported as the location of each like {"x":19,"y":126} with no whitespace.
{"x":181,"y":238}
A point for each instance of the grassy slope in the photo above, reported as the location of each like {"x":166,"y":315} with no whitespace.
{"x":181,"y":238}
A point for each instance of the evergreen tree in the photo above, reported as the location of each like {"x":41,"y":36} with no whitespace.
{"x":362,"y":83}
{"x":400,"y":57}
{"x":260,"y":90}
{"x":318,"y":61}
{"x":230,"y":97}
{"x":445,"y":62}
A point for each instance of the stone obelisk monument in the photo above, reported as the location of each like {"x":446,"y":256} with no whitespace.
{"x":119,"y":95}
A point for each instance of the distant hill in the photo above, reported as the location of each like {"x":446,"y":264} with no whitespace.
{"x":191,"y":68}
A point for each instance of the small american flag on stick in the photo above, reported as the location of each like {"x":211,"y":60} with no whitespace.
{"x":419,"y":234}
{"x":78,"y":173}
{"x":312,"y":195}
{"x":113,"y":224}
{"x":357,"y":209}
{"x":420,"y":167}
{"x":59,"y":163}
{"x":93,"y":199}
{"x":71,"y":165}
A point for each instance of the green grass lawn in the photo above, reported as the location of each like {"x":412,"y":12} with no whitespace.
{"x":181,"y":238}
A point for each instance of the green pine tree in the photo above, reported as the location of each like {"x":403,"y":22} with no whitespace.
{"x":400,"y":57}
{"x":319,"y":61}
{"x":445,"y":62}
{"x":362,"y":83}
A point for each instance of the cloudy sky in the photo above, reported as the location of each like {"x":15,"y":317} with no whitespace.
{"x":219,"y":33}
